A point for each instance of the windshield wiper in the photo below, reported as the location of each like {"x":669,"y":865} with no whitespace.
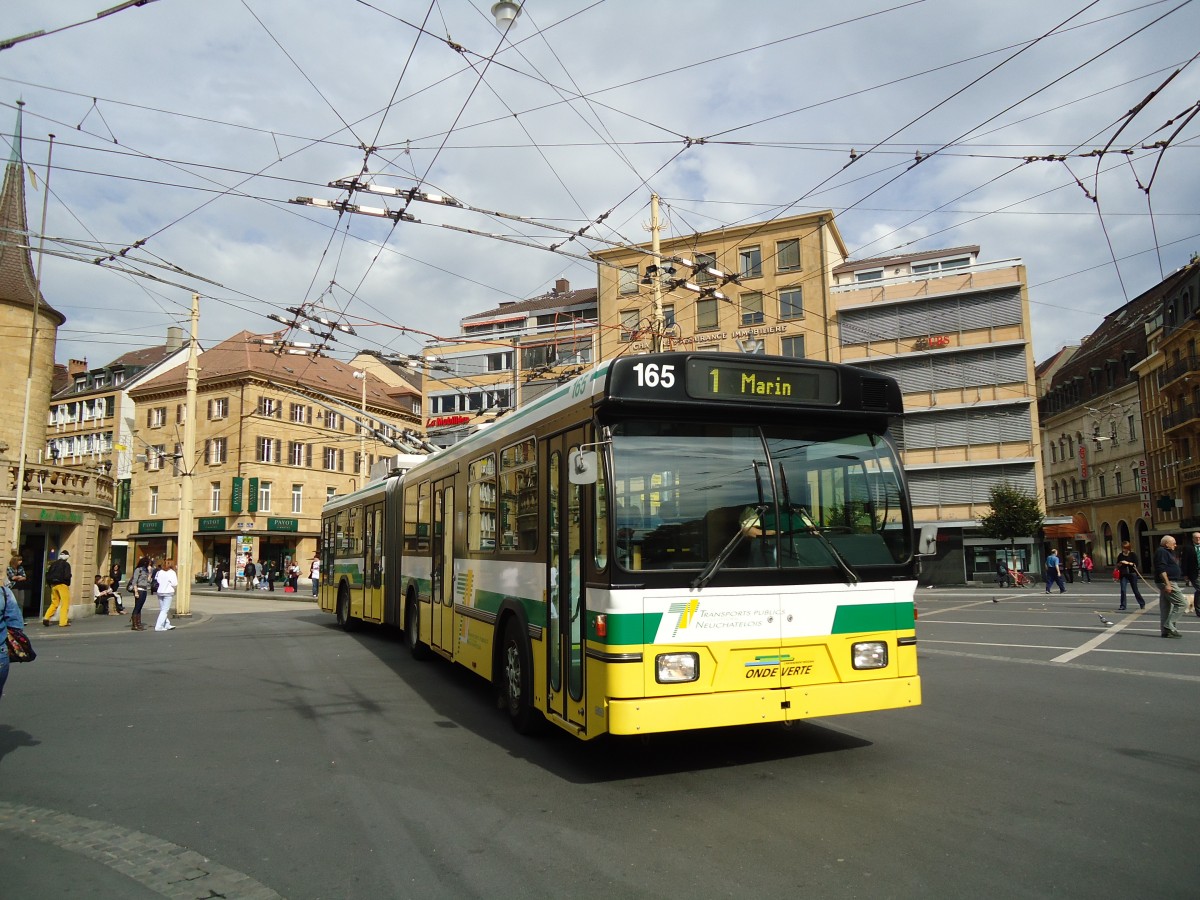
{"x":851,"y":575}
{"x":719,"y":560}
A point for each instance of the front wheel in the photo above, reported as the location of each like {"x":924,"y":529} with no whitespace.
{"x":516,"y":683}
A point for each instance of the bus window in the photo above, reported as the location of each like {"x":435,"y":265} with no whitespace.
{"x":481,"y":504}
{"x":518,"y":522}
{"x":600,"y":529}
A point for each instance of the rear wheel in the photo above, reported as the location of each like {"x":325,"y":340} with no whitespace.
{"x":516,"y":681}
{"x":412,"y":628}
{"x":344,"y":619}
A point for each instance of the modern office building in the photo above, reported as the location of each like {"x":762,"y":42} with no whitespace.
{"x":955,"y":332}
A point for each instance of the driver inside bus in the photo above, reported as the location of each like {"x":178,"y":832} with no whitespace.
{"x":756,"y":525}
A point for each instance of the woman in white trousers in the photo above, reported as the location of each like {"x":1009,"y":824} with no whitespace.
{"x":165,"y":584}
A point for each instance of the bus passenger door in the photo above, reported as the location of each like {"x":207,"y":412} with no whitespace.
{"x":442,"y":605}
{"x":565,"y":644}
{"x":373,"y":563}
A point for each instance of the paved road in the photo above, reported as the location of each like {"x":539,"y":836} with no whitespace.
{"x":257,"y":751}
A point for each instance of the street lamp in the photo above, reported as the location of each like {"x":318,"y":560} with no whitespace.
{"x":505,"y":13}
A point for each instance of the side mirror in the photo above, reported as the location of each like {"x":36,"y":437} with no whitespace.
{"x":927,"y":542}
{"x":582,"y":467}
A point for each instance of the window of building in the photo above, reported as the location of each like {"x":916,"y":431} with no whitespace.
{"x":1053,"y":452}
{"x":928,"y":268}
{"x":869,"y":275}
{"x":299,"y":454}
{"x":1132,"y":428}
{"x":787,"y":255}
{"x":668,"y":317}
{"x":629,"y":324}
{"x":154,"y":501}
{"x":297,"y":498}
{"x":750,"y":262}
{"x":269,"y":406}
{"x":792,"y":346}
{"x":214,"y":496}
{"x":1117,"y":479}
{"x":330,"y":493}
{"x":157,"y":417}
{"x":301,"y":413}
{"x":335,"y":421}
{"x":1103,"y":492}
{"x":100,"y":380}
{"x":706,"y":315}
{"x":218,"y":408}
{"x":264,"y":496}
{"x":1055,"y":493}
{"x":268,"y":450}
{"x":791,"y":303}
{"x":629,"y":277}
{"x":334,"y":459}
{"x":752,"y":308}
{"x":500,"y":362}
{"x":156,"y":457}
{"x":215,"y":451}
{"x":704,"y":262}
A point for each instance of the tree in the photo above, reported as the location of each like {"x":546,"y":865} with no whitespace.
{"x":1014,"y":514}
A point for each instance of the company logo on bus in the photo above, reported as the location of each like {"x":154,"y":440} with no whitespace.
{"x":686,"y":611}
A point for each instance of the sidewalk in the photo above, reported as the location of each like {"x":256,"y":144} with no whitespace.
{"x":206,"y":602}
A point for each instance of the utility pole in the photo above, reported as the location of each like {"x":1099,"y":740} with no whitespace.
{"x":362,"y":433}
{"x":656,"y":339}
{"x":185,"y":569}
{"x":37,"y":300}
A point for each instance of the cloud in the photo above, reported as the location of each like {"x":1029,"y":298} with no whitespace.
{"x":190,"y":127}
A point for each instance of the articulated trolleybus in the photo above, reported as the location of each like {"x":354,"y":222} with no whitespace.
{"x":667,"y":542}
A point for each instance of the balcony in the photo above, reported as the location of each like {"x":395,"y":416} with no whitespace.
{"x":60,"y":484}
{"x":1186,"y":413}
{"x":1187,"y":366}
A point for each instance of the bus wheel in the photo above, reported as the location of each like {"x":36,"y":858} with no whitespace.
{"x":344,"y":620}
{"x":516,"y":683}
{"x":412,"y":629}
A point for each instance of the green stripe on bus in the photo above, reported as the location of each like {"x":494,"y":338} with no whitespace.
{"x":873,"y":617}
{"x":625,"y":628}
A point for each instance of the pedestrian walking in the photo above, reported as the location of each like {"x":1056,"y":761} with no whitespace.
{"x":1054,"y":573}
{"x":1086,"y":567}
{"x":1128,"y":575}
{"x":58,"y":576}
{"x":10,"y":617}
{"x":165,"y":583}
{"x":1168,"y":574}
{"x":140,"y":580}
{"x":1190,"y":562}
{"x":314,"y":572}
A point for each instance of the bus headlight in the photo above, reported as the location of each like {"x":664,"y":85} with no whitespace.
{"x":869,"y":655}
{"x":676,"y":668}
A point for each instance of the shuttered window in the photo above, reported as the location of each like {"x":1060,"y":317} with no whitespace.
{"x":947,"y":371}
{"x":969,"y":484}
{"x":937,"y":315}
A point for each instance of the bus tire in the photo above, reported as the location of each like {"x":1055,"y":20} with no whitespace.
{"x":345,"y":621}
{"x":412,"y":628}
{"x":516,"y":679}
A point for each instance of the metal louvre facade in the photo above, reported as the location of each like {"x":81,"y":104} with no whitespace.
{"x":922,"y":430}
{"x":951,"y":370}
{"x":955,"y":313}
{"x":968,"y":484}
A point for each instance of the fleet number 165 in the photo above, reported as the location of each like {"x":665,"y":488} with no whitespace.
{"x":653,"y":375}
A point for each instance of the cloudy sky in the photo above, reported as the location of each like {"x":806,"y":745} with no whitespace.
{"x":183,"y":128}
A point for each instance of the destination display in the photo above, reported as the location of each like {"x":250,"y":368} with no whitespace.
{"x":709,"y":379}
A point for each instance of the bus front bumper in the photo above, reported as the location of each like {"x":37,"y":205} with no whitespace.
{"x":682,"y":712}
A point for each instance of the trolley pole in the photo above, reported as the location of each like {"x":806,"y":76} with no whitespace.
{"x":183,"y":595}
{"x":656,"y":338}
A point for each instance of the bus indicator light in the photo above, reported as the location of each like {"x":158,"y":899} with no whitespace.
{"x":601,"y":625}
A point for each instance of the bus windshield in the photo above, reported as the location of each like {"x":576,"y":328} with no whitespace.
{"x":801,"y":497}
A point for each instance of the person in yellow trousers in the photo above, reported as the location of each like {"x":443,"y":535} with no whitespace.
{"x":59,"y":578}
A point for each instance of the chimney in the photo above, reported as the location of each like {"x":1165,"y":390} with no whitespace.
{"x":174,"y":337}
{"x":76,"y":367}
{"x":562,"y":286}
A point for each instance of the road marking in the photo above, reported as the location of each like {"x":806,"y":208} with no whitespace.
{"x":163,"y":867}
{"x":1115,"y":670}
{"x":1052,"y":647}
{"x":1099,"y":639}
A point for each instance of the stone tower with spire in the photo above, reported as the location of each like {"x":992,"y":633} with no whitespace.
{"x":21,"y":311}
